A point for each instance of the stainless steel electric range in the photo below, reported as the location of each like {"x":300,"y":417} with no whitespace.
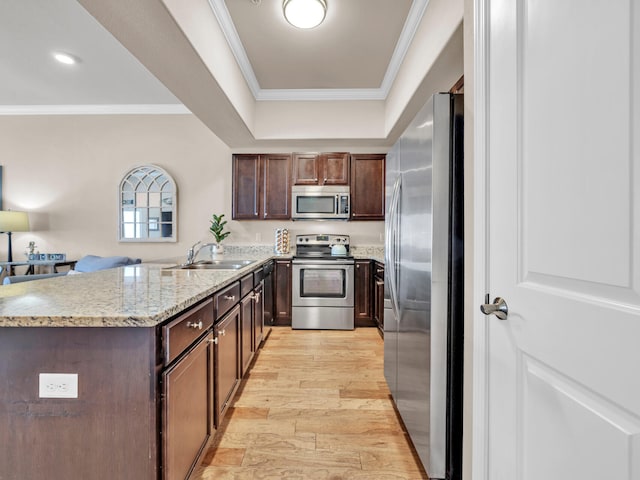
{"x":323,"y":283}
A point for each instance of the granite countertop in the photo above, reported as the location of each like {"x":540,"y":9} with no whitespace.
{"x":142,"y":295}
{"x":134,"y":296}
{"x":372,"y":252}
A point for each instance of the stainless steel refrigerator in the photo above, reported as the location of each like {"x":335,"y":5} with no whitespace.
{"x":424,"y":256}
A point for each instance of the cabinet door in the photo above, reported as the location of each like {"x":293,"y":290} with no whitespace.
{"x":335,"y":168}
{"x":246,"y":332}
{"x":276,"y":193}
{"x":367,"y":187}
{"x":268,"y":296}
{"x":258,"y":316}
{"x":282,"y":293}
{"x":306,"y":168}
{"x":378,"y":297}
{"x":246,"y":187}
{"x":227,"y":362}
{"x":186,"y":410}
{"x":362,"y":298}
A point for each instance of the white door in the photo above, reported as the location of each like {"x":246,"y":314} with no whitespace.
{"x":558,"y":382}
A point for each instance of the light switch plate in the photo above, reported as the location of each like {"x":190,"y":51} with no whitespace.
{"x":58,"y":385}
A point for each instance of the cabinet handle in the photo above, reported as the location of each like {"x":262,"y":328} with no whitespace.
{"x":358,"y":266}
{"x":213,"y":340}
{"x":230,"y":297}
{"x":256,"y":297}
{"x":194,"y":325}
{"x":325,"y":180}
{"x":223,"y":332}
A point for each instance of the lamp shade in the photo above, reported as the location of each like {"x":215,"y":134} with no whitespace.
{"x":304,"y":13}
{"x":14,"y":221}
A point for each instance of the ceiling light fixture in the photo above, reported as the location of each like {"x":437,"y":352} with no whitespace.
{"x":304,"y":13}
{"x":65,"y":58}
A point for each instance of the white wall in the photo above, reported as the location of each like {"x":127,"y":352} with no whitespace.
{"x":65,"y":171}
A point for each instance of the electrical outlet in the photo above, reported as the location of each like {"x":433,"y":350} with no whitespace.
{"x":58,"y":385}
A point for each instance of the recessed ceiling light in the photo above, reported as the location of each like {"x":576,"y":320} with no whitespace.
{"x":65,"y":58}
{"x":304,"y":13}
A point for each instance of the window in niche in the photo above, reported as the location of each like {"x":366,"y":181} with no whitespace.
{"x":148,"y":206}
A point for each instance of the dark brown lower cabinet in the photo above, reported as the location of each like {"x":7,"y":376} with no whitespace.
{"x":227,"y":361}
{"x":362,"y":294}
{"x":186,"y":388}
{"x":378,"y":295}
{"x":258,"y":315}
{"x":149,"y":398}
{"x":110,"y":431}
{"x":246,"y":320}
{"x":282,"y":293}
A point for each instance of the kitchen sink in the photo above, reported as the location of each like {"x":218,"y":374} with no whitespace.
{"x":216,"y":265}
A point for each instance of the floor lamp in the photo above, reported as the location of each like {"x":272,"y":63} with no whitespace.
{"x":13,"y":222}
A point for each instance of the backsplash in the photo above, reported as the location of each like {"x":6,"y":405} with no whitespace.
{"x":373,"y":251}
{"x":249,"y":249}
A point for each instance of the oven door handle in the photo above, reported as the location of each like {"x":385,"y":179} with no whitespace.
{"x":323,"y":263}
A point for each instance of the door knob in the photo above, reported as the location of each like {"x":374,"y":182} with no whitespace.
{"x":498,"y":308}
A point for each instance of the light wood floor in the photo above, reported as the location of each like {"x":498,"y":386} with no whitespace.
{"x":315,"y":406}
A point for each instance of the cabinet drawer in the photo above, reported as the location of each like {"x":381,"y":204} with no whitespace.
{"x":225,"y":299}
{"x":258,"y":275}
{"x":184,"y":330}
{"x":246,"y":285}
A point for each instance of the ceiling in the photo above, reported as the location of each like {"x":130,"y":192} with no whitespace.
{"x":31,"y":30}
{"x":351,"y":49}
{"x":237,"y":65}
{"x":349,"y":53}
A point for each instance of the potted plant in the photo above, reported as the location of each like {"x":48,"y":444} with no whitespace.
{"x":217,"y":230}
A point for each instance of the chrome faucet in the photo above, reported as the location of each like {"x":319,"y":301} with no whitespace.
{"x":203,"y":246}
{"x":191,"y":253}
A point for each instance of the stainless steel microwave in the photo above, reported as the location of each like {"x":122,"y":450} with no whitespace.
{"x":320,"y":203}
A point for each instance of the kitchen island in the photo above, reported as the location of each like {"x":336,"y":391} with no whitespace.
{"x":147,"y":369}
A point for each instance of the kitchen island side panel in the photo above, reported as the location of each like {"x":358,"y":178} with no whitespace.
{"x":108,"y":432}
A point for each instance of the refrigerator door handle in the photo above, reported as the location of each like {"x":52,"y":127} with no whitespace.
{"x":392,"y":247}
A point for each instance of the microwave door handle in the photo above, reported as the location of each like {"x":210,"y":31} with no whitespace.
{"x":337,"y":210}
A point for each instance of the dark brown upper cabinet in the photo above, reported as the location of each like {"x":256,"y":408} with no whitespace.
{"x":321,"y":168}
{"x":261,"y":187}
{"x":367,"y":186}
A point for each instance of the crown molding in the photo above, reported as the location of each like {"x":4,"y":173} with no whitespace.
{"x":233,"y":39}
{"x":168,"y":109}
{"x":320,"y":94}
{"x":416,"y":12}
